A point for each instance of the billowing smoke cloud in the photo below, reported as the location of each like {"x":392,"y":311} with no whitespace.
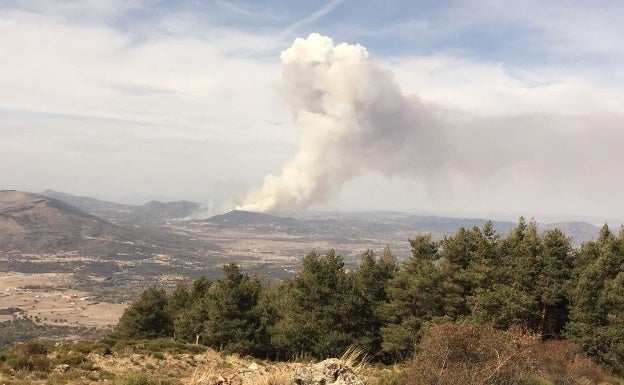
{"x":353,"y":118}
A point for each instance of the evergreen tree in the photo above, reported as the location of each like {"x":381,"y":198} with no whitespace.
{"x":371,"y":281}
{"x":178,"y":300}
{"x":485,"y":265}
{"x":315,"y":309}
{"x":232,"y":319}
{"x":513,"y":298}
{"x":415,"y":296}
{"x":187,"y":309}
{"x":146,"y":317}
{"x":553,"y":283}
{"x":458,"y":282}
{"x":597,"y":300}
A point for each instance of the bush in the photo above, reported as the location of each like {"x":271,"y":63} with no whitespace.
{"x":27,"y":356}
{"x":35,"y":362}
{"x":391,"y":377}
{"x":84,"y":347}
{"x":563,"y":363}
{"x":160,"y":345}
{"x":137,"y":379}
{"x":465,"y":353}
{"x":30,"y":348}
{"x":73,"y":359}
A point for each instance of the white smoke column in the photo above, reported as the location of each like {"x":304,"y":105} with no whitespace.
{"x":351,"y":116}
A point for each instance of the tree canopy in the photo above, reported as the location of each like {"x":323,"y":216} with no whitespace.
{"x":527,"y":279}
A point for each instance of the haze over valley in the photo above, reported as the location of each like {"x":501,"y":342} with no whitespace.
{"x":75,"y":268}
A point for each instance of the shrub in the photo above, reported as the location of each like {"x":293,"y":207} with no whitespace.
{"x":464,"y":353}
{"x":27,"y":356}
{"x":137,"y":379}
{"x":84,"y":347}
{"x":391,"y":377}
{"x":72,"y":359}
{"x":31,"y":347}
{"x":37,"y":362}
{"x":160,"y":345}
{"x":562,"y":363}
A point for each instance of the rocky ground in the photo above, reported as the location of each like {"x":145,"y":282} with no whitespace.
{"x":162,"y":362}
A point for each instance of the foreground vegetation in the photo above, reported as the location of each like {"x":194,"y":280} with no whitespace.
{"x":527,"y":281}
{"x":473,"y":308}
{"x":450,"y":353}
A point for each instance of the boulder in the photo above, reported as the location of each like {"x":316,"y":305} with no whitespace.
{"x":329,"y":372}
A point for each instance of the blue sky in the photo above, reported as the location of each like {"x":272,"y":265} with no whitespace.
{"x":164,"y":99}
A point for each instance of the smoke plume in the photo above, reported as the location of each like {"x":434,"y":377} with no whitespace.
{"x":353,"y":118}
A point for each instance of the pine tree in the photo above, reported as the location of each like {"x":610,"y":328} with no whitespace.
{"x":513,"y":297}
{"x":232,"y":319}
{"x":597,"y":300}
{"x":415,"y":296}
{"x":315,"y":308}
{"x":371,"y":281}
{"x":553,"y":283}
{"x":146,"y":317}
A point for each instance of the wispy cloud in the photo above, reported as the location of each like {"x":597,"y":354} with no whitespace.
{"x":309,"y":19}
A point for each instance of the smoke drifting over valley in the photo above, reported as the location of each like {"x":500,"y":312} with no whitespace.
{"x":353,"y":119}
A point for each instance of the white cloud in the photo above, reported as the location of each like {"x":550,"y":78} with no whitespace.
{"x":485,"y":88}
{"x":90,"y":70}
{"x":84,"y":101}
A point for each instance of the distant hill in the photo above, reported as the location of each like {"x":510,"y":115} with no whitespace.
{"x":579,"y":231}
{"x":41,"y":224}
{"x":237,"y":218}
{"x":374,"y":224}
{"x":448,"y":225}
{"x":151,"y":211}
{"x":333,"y":223}
{"x":33,"y":222}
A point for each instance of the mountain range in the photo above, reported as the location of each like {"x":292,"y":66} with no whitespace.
{"x":153,"y":211}
{"x":36,"y":223}
{"x":55,"y":220}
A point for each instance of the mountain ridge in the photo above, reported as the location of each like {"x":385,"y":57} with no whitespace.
{"x":33,"y":222}
{"x":438,"y":226}
{"x":125,"y":213}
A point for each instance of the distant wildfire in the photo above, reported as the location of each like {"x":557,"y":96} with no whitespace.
{"x":353,"y":118}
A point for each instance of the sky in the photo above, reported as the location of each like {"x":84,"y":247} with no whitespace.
{"x":133,"y":101}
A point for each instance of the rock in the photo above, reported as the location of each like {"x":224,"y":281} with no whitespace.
{"x":328,"y":372}
{"x":61,"y":368}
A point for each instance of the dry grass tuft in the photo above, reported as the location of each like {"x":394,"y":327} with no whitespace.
{"x":275,"y":375}
{"x":278,"y":376}
{"x":355,"y":358}
{"x":205,"y":376}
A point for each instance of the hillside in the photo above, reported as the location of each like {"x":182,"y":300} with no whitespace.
{"x":116,"y":212}
{"x":40,"y":235}
{"x":33,"y":222}
{"x":166,"y":362}
{"x":339,"y":226}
